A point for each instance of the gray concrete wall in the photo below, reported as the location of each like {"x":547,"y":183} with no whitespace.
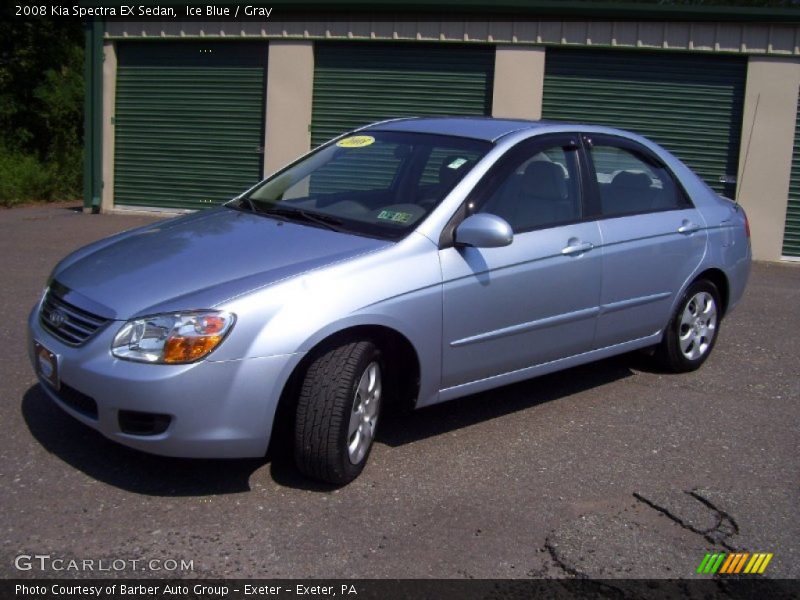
{"x":518,"y":82}
{"x":109,"y":99}
{"x":698,"y":36}
{"x":765,"y":157}
{"x":290,"y":86}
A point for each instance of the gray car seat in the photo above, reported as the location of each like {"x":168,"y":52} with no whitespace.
{"x":628,"y":192}
{"x":536,"y":198}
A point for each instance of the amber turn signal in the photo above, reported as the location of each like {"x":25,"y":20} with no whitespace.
{"x":183,"y":350}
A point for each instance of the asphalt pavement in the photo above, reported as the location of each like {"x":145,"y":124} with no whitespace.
{"x":607,"y":470}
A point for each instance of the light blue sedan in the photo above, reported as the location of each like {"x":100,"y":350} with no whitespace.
{"x":414,"y":260}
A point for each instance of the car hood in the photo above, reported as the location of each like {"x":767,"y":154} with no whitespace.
{"x":200,"y":260}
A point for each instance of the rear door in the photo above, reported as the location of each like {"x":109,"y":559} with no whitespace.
{"x":653,"y":239}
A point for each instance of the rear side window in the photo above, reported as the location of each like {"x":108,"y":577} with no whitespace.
{"x":630,"y":183}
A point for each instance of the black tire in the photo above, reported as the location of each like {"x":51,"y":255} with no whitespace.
{"x":670,"y":353}
{"x":327,"y":399}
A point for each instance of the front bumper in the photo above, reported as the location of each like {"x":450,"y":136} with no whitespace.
{"x":217,"y":409}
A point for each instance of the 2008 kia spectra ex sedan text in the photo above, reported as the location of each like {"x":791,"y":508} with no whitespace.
{"x":416,"y":259}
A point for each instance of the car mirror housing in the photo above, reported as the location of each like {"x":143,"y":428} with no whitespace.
{"x":484,"y":230}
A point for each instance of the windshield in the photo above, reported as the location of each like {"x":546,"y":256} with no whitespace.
{"x":378,"y":183}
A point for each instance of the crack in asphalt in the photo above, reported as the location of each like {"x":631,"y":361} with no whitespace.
{"x":724,"y":527}
{"x":599,"y":589}
{"x":720,"y":533}
{"x":602,"y":589}
{"x":560,"y":563}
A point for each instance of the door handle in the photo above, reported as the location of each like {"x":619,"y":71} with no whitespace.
{"x":688,"y":227}
{"x":576,"y":247}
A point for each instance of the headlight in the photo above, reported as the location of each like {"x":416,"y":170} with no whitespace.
{"x":172,"y":338}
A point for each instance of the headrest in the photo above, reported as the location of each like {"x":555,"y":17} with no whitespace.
{"x":629,"y":179}
{"x":545,"y":179}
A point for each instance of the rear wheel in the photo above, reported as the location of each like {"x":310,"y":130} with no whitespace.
{"x":337,"y":412}
{"x":692,"y":331}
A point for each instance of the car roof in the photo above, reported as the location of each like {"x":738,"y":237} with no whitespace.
{"x":491,"y":129}
{"x":480,"y":128}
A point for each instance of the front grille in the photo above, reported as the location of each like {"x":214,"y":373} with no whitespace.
{"x":70,"y":324}
{"x":77,"y":401}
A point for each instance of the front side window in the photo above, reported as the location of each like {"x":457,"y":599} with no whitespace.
{"x":541,"y":190}
{"x":630,"y":183}
{"x":375,"y":183}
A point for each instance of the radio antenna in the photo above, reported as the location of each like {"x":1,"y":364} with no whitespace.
{"x":747,"y":147}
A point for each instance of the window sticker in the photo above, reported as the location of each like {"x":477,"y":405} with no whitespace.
{"x":456,"y":163}
{"x":356,"y":141}
{"x":396,"y":217}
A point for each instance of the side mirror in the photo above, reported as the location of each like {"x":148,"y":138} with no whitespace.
{"x":484,"y":230}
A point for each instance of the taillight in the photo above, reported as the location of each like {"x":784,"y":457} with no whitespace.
{"x":746,"y":226}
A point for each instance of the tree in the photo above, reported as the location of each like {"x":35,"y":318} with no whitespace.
{"x":41,"y":105}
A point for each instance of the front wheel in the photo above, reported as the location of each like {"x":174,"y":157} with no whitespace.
{"x":693,"y":329}
{"x":337,"y":412}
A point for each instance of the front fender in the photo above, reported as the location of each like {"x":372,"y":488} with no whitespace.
{"x":398,"y":288}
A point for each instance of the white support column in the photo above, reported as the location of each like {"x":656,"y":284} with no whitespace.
{"x":290,"y":86}
{"x":109,"y":97}
{"x":518,"y":82}
{"x":765,"y":154}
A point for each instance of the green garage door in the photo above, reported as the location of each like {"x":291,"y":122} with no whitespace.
{"x":690,"y":104}
{"x":356,"y":84}
{"x":189,"y":122}
{"x":791,"y":236}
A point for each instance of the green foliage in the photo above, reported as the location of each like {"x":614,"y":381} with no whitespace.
{"x":23,"y":178}
{"x":41,"y":110}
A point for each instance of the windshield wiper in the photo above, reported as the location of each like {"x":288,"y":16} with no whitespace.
{"x":326,"y":221}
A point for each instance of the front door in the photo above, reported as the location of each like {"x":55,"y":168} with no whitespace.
{"x":537,"y":299}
